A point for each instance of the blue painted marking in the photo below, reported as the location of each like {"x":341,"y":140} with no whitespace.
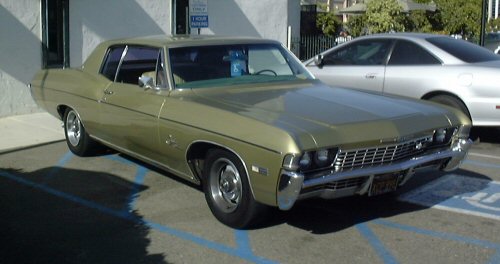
{"x":381,"y":251}
{"x":120,"y":159}
{"x":61,"y":163}
{"x":460,"y":194}
{"x":140,"y":175}
{"x":124,"y":215}
{"x":482,"y":243}
{"x":441,"y":235}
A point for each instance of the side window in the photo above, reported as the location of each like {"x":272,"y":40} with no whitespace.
{"x":137,"y":61}
{"x":111,"y":62}
{"x":408,"y":53}
{"x":362,"y":53}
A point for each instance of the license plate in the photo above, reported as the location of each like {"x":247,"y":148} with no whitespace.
{"x":384,"y":183}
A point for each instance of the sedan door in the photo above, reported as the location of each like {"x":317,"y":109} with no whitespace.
{"x":129,"y":112}
{"x":413,"y":71}
{"x":358,"y":65}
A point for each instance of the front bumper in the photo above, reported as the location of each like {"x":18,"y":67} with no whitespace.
{"x":291,"y":184}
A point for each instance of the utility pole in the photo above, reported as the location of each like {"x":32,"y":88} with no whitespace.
{"x":483,"y":21}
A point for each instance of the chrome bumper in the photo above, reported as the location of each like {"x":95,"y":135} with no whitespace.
{"x":291,"y":183}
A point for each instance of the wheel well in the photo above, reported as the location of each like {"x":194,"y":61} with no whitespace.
{"x":436,"y":93}
{"x":61,"y":109}
{"x":197,"y":154}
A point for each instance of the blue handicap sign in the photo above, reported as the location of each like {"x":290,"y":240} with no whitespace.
{"x":458,"y":193}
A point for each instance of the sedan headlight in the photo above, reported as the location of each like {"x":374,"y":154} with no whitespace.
{"x":443,"y":136}
{"x":311,"y":160}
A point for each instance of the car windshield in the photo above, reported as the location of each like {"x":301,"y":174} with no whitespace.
{"x":463,"y":50}
{"x":223,"y":65}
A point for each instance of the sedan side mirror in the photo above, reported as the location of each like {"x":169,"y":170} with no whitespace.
{"x":318,"y":60}
{"x":146,"y":81}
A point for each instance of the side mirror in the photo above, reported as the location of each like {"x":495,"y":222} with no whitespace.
{"x":318,"y":60}
{"x":146,"y":81}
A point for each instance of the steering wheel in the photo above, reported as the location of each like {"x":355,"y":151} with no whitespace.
{"x":266,"y":70}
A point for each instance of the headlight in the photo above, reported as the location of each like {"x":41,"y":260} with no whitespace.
{"x":305,"y":161}
{"x":323,"y":158}
{"x":311,"y":160}
{"x":442,"y":136}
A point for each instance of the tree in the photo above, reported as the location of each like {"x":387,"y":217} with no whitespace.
{"x":418,"y":21}
{"x":356,"y":25}
{"x":461,"y":17}
{"x":384,"y":16}
{"x":493,"y":25}
{"x":328,"y":23}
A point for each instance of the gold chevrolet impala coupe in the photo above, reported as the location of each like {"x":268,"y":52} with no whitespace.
{"x":243,"y":118}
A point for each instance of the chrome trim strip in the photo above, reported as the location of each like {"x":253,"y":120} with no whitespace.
{"x":148,"y":160}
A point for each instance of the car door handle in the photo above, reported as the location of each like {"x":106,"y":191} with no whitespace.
{"x":370,"y":76}
{"x":108,"y":92}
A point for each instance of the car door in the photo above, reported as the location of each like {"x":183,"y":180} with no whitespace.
{"x":412,"y":71}
{"x":358,"y":64}
{"x":129,"y":112}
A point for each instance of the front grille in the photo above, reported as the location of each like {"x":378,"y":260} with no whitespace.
{"x":359,"y":158}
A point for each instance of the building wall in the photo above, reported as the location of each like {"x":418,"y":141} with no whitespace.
{"x":20,"y":54}
{"x":92,"y":21}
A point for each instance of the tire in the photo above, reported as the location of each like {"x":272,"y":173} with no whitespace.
{"x":79,"y":142}
{"x":227,"y":190}
{"x":451,"y":101}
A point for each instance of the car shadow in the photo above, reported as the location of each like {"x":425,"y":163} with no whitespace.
{"x":320,"y":216}
{"x":60,"y":215}
{"x":486,"y":134}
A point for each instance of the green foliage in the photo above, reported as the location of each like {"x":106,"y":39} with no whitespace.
{"x":461,"y":17}
{"x":493,"y":25}
{"x":356,"y":25}
{"x":384,"y":16}
{"x":418,"y":21}
{"x":328,"y":22}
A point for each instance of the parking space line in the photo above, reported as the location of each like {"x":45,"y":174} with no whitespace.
{"x":447,"y":236}
{"x":481,"y":164}
{"x":483,"y":155}
{"x":236,"y":252}
{"x":373,"y":240}
{"x":61,"y":163}
{"x":140,"y":175}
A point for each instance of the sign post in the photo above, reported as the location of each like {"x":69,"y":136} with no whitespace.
{"x":198,"y":14}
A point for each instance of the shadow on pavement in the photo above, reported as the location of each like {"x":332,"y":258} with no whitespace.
{"x":486,"y":134}
{"x":59,"y":215}
{"x":320,"y":216}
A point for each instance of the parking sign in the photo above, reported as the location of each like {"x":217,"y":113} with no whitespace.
{"x":198,"y":13}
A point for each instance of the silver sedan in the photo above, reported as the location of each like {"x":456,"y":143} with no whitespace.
{"x":431,"y":67}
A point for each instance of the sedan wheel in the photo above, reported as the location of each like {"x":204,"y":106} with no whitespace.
{"x":227,"y":190}
{"x":79,"y":142}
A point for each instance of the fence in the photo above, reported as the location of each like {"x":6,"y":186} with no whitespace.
{"x":307,"y":46}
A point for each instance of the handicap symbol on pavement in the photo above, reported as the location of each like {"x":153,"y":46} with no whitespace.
{"x":458,"y":193}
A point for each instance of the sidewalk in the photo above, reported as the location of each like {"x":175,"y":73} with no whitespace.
{"x":28,"y":130}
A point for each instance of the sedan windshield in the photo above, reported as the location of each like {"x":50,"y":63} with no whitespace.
{"x":213,"y":66}
{"x":463,"y":50}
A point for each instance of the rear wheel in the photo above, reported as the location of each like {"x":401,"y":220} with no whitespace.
{"x":227,"y":190}
{"x":79,"y":142}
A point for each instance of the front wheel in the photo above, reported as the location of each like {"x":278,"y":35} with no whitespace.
{"x":79,"y":142}
{"x":227,"y":190}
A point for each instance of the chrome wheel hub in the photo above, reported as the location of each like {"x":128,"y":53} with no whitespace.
{"x":73,"y":128}
{"x":226,"y":185}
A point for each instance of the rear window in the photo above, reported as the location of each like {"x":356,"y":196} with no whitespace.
{"x":463,"y":50}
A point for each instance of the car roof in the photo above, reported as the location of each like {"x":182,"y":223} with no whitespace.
{"x":187,"y":40}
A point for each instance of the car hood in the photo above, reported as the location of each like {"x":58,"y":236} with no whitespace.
{"x":317,"y":115}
